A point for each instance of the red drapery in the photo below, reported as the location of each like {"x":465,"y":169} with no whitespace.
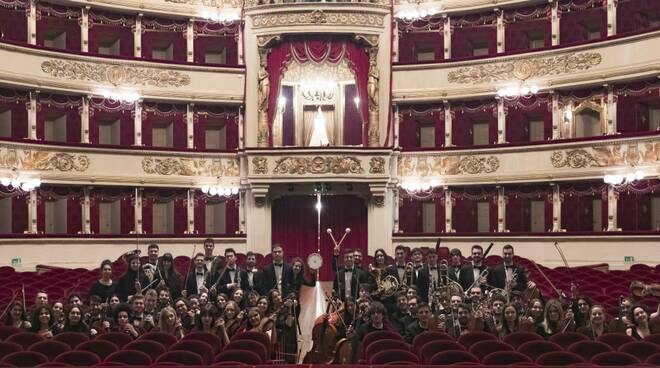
{"x":465,"y":204}
{"x":413,"y":118}
{"x":231,"y":212}
{"x":163,"y":32}
{"x":294,"y":225}
{"x":635,"y":205}
{"x":155,"y":113}
{"x":178,"y":196}
{"x":411,"y":217}
{"x":632,"y":107}
{"x":54,"y":19}
{"x":578,"y":204}
{"x":110,"y":194}
{"x":288,"y":119}
{"x":352,"y":121}
{"x":101,"y":110}
{"x":522,"y":110}
{"x":577,"y":17}
{"x":13,"y":22}
{"x":106,"y":26}
{"x":466,"y":115}
{"x":15,"y":103}
{"x":317,"y":50}
{"x":216,"y":36}
{"x":53,"y":106}
{"x":73,"y":197}
{"x":426,"y":33}
{"x":206,"y":116}
{"x":523,"y":24}
{"x":518,"y":206}
{"x":636,"y":15}
{"x":473,"y":30}
{"x":19,"y":209}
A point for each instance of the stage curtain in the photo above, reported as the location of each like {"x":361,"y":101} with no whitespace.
{"x":472,"y":29}
{"x":352,"y":121}
{"x":53,"y":18}
{"x":205,"y":116}
{"x":107,"y":25}
{"x":125,"y":196}
{"x":56,"y":106}
{"x":521,"y":110}
{"x":632,"y":111}
{"x":102,"y":109}
{"x":520,"y":23}
{"x":634,"y":15}
{"x":13,"y":22}
{"x":153,"y":113}
{"x":16,"y":103}
{"x":576,"y":16}
{"x":209,"y":35}
{"x":161,"y":32}
{"x":464,"y":116}
{"x":577,"y":205}
{"x":294,"y":225}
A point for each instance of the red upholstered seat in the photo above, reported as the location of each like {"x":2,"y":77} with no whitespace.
{"x":379,"y":335}
{"x":242,"y":356}
{"x":518,"y":338}
{"x":393,"y":355}
{"x":653,"y":359}
{"x":25,"y":339}
{"x":7,"y":348}
{"x":380,"y":345}
{"x":207,"y":337}
{"x":614,"y":358}
{"x":6,"y":331}
{"x":227,"y":363}
{"x":164,"y":338}
{"x":78,"y":358}
{"x":566,"y":339}
{"x":472,"y":338}
{"x":25,"y":359}
{"x":72,"y":339}
{"x":181,"y":357}
{"x":199,"y":347}
{"x":101,"y":348}
{"x":53,"y":364}
{"x":614,"y":339}
{"x":152,"y":348}
{"x":250,"y":345}
{"x":433,"y":347}
{"x":453,"y":356}
{"x":50,"y":348}
{"x":129,"y":357}
{"x":587,"y":349}
{"x":255,"y":336}
{"x":505,"y":358}
{"x":641,"y":349}
{"x":118,"y":338}
{"x":654,"y":338}
{"x":427,"y":336}
{"x":483,"y":348}
{"x":558,"y":358}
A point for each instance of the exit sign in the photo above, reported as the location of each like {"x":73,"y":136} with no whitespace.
{"x":629,"y":259}
{"x":15,"y":262}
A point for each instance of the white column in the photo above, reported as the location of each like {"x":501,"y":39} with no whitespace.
{"x":448,"y":211}
{"x":138,"y":123}
{"x":32,"y":23}
{"x":448,"y":124}
{"x":612,"y":216}
{"x":190,"y":118}
{"x":395,"y":208}
{"x":138,"y":211}
{"x":84,"y":30}
{"x":241,"y":212}
{"x":190,"y":41}
{"x":500,"y":30}
{"x":32,"y":115}
{"x":137,"y":36}
{"x":241,"y":60}
{"x":258,"y":216}
{"x":611,"y":111}
{"x":395,"y":42}
{"x":556,"y":117}
{"x":501,"y":121}
{"x":447,"y":37}
{"x":556,"y":208}
{"x":379,"y":217}
{"x":611,"y":17}
{"x":32,"y":212}
{"x":86,"y":205}
{"x":501,"y":210}
{"x":191,"y":211}
{"x":84,"y":120}
{"x":241,"y":138}
{"x":397,"y":122}
{"x":555,"y":22}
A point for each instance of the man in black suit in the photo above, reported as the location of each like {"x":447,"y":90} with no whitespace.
{"x":398,"y":269}
{"x":419,"y":277}
{"x":508,"y":273}
{"x":455,"y":265}
{"x":209,"y":258}
{"x":231,"y":277}
{"x":196,"y":279}
{"x":473,"y":271}
{"x":252,"y":273}
{"x":431,"y":275}
{"x":277,"y":275}
{"x":348,"y":279}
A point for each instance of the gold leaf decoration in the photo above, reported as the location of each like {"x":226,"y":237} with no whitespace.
{"x":114,"y":74}
{"x":604,"y":156}
{"x":377,"y":165}
{"x":39,"y":160}
{"x":190,"y":167}
{"x":478,"y":165}
{"x":576,"y":159}
{"x":260,"y":165}
{"x":524,"y":69}
{"x":316,"y":17}
{"x":318,"y":165}
{"x":210,"y":3}
{"x":447,"y":165}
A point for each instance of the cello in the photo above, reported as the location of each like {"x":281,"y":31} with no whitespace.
{"x":324,"y":336}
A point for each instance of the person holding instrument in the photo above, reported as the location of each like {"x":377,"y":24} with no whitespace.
{"x":349,"y":278}
{"x":473,"y":274}
{"x":508,"y":276}
{"x":133,"y":280}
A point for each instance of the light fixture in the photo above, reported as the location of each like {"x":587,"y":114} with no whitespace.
{"x":220,"y":191}
{"x":419,"y":188}
{"x":15,"y":182}
{"x":318,"y":89}
{"x":123,"y":95}
{"x":222,"y":15}
{"x":411,"y":12}
{"x":622,"y":180}
{"x":357,"y":101}
{"x":319,"y":131}
{"x":518,"y":90}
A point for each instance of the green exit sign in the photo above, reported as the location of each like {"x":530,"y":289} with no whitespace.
{"x":629,"y":259}
{"x":15,"y":262}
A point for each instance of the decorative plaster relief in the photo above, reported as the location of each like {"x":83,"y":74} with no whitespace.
{"x":318,"y":165}
{"x":260,"y":165}
{"x":42,"y":160}
{"x":190,"y":167}
{"x":604,"y":156}
{"x":447,"y":165}
{"x":317,"y":17}
{"x":114,"y":74}
{"x":210,"y":3}
{"x":523,"y":69}
{"x":377,"y":165}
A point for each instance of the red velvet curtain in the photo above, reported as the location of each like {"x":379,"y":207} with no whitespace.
{"x":294,"y":225}
{"x":466,"y":115}
{"x":416,"y":117}
{"x":54,"y":107}
{"x":73,"y":197}
{"x":19,"y":209}
{"x":352,"y":120}
{"x":155,"y":113}
{"x":634,"y":205}
{"x":105,"y":110}
{"x":410,"y":216}
{"x":577,"y":205}
{"x":106,"y":26}
{"x":110,"y":194}
{"x":15,"y":102}
{"x":518,"y":206}
{"x":632,"y":112}
{"x":330,"y":49}
{"x":54,"y":19}
{"x":427,"y":33}
{"x":231,"y":212}
{"x":473,"y":30}
{"x":288,"y":119}
{"x":216,"y":36}
{"x":464,"y":210}
{"x":523,"y":24}
{"x":13,"y":22}
{"x":636,"y":15}
{"x":522,"y":110}
{"x":207,"y":116}
{"x":178,"y":196}
{"x":577,"y":17}
{"x":161,"y":33}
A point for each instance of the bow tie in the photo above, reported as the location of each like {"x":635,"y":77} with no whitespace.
{"x":349,"y":270}
{"x":418,"y":267}
{"x":209,"y":258}
{"x":277,"y":264}
{"x":401,"y":267}
{"x":231,"y":269}
{"x":199,"y":273}
{"x":477,"y":267}
{"x":433,"y":268}
{"x":510,"y":267}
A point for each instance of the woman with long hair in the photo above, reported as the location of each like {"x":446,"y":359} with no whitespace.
{"x":510,"y":321}
{"x":238,"y":296}
{"x":596,"y":325}
{"x":104,"y":287}
{"x":58,"y":317}
{"x":169,"y":323}
{"x":74,"y":322}
{"x":299,"y":278}
{"x":185,"y":315}
{"x":167,"y":276}
{"x":641,"y":322}
{"x":554,"y":319}
{"x":263,"y":306}
{"x":233,"y":318}
{"x":133,"y":280}
{"x":535,"y":310}
{"x":581,"y":307}
{"x":16,"y":316}
{"x":42,"y":322}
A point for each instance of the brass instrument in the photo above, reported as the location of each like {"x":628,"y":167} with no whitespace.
{"x":386,"y":286}
{"x":483,"y":274}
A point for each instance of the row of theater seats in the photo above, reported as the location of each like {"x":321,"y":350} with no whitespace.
{"x":26,"y":349}
{"x":437,"y":348}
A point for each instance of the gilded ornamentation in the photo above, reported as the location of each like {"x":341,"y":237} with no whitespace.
{"x":447,"y":165}
{"x":377,"y":165}
{"x":42,"y":160}
{"x":190,"y":167}
{"x":318,"y":165}
{"x":478,"y":165}
{"x":210,"y":3}
{"x":604,"y":156}
{"x":651,"y":152}
{"x":524,"y":69}
{"x":316,"y":17}
{"x":260,"y":165}
{"x":114,"y":74}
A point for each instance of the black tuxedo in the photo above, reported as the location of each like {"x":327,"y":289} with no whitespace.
{"x":426,"y":281}
{"x":191,"y":283}
{"x":420,"y":279}
{"x":497,"y":278}
{"x":358,"y":276}
{"x":393,"y":271}
{"x":451,"y":272}
{"x":467,"y":276}
{"x":257,"y":277}
{"x":240,"y":276}
{"x":269,"y":279}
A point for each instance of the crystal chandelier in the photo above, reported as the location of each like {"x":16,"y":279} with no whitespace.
{"x":411,"y":12}
{"x":220,"y":191}
{"x":419,"y":188}
{"x":622,"y":180}
{"x":516,"y":91}
{"x":222,"y":15}
{"x":15,"y":182}
{"x":119,"y":95}
{"x":318,"y":89}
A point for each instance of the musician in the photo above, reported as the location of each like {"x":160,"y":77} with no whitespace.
{"x":209,"y":245}
{"x":622,"y":322}
{"x":104,"y":287}
{"x":299,"y":278}
{"x":554,"y":319}
{"x":455,"y":265}
{"x":151,"y":263}
{"x":511,"y":321}
{"x":133,"y":280}
{"x":196,"y":279}
{"x":253,"y":276}
{"x":17,"y":316}
{"x":422,"y":324}
{"x":401,"y":317}
{"x":376,"y":316}
{"x":581,"y":307}
{"x":41,"y":299}
{"x":596,"y":325}
{"x":473,"y":271}
{"x":287,"y":329}
{"x":349,"y":278}
{"x":642,"y":324}
{"x":138,"y":317}
{"x":398,"y":270}
{"x":459,"y":323}
{"x":277,"y":275}
{"x":431,"y":275}
{"x":231,"y":277}
{"x":504,"y":274}
{"x":357,"y":258}
{"x":419,"y":277}
{"x":167,"y":276}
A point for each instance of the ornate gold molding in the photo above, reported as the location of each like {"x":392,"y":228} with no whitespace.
{"x":377,"y":165}
{"x":318,"y":165}
{"x":606,"y":156}
{"x":114,"y":74}
{"x":38,"y":160}
{"x":259,"y":165}
{"x":190,"y":167}
{"x":523,"y":69}
{"x":210,"y":3}
{"x":447,"y":165}
{"x":317,"y":17}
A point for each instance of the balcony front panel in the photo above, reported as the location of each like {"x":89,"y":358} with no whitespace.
{"x":619,"y":59}
{"x":56,"y":71}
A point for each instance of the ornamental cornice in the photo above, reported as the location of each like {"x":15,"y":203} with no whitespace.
{"x":297,"y":165}
{"x":42,"y":160}
{"x":631,"y":154}
{"x":438,"y":164}
{"x":523,"y":69}
{"x":114,"y":74}
{"x":318,"y":17}
{"x":191,"y":167}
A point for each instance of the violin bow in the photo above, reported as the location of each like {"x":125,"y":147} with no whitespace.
{"x":185,"y":283}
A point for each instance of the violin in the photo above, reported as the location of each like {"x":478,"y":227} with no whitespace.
{"x":639,"y":290}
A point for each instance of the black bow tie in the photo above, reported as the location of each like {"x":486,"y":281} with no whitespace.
{"x":433,"y":268}
{"x":418,"y":267}
{"x":349,"y":270}
{"x":209,"y":258}
{"x":231,"y":269}
{"x":277,"y":264}
{"x":510,"y":267}
{"x":477,"y":267}
{"x":401,"y":267}
{"x":199,"y":273}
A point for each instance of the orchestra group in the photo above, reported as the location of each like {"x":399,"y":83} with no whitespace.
{"x":418,"y":292}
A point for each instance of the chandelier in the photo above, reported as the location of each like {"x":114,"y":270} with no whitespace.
{"x":516,"y":91}
{"x":15,"y":182}
{"x":622,"y":180}
{"x":119,"y":95}
{"x":318,"y":89}
{"x":410,"y":12}
{"x":419,"y":188}
{"x":220,"y":191}
{"x":222,"y":16}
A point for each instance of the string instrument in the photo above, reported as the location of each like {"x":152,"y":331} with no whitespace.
{"x":344,"y":352}
{"x":324,"y":336}
{"x":639,"y":289}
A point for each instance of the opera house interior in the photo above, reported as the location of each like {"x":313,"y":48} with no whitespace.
{"x":302,"y":182}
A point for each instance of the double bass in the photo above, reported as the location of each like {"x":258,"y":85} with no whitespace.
{"x":325,"y":337}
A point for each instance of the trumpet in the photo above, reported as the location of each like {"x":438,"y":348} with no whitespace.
{"x":482,"y":275}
